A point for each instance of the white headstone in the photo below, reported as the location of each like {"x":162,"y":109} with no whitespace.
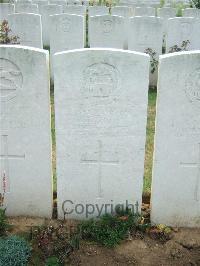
{"x":175,"y":198}
{"x":40,"y":3}
{"x":144,"y":33}
{"x":130,"y":3}
{"x":58,"y":2}
{"x":126,"y":3}
{"x":5,"y":10}
{"x":25,"y":134}
{"x":26,"y":8}
{"x":74,"y":2}
{"x":155,"y":4}
{"x":101,"y":110}
{"x":98,"y":10}
{"x":191,"y":12}
{"x":75,"y":9}
{"x":67,"y":32}
{"x":183,"y":29}
{"x":165,"y":13}
{"x":46,"y":11}
{"x":28,"y":28}
{"x":95,"y":11}
{"x":107,"y":32}
{"x":125,"y":12}
{"x":144,"y":11}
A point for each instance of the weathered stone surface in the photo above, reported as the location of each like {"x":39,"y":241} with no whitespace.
{"x":183,"y":29}
{"x":122,"y":11}
{"x":165,"y":13}
{"x":191,"y":12}
{"x":58,"y":2}
{"x":176,"y":176}
{"x":144,"y":11}
{"x":5,"y":10}
{"x":75,"y":9}
{"x":26,"y":8}
{"x":25,"y":134}
{"x":145,"y":33}
{"x":28,"y":28}
{"x":126,"y":12}
{"x":97,"y":10}
{"x":46,"y":11}
{"x":67,"y":32}
{"x":107,"y":32}
{"x":101,"y":109}
{"x":40,"y":3}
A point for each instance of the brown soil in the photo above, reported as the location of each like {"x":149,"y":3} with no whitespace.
{"x":182,"y":249}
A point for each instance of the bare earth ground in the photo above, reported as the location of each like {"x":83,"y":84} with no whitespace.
{"x":182,"y":249}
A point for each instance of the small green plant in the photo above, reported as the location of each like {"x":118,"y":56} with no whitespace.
{"x":5,"y":34}
{"x":160,"y":232}
{"x":179,"y":7}
{"x":4,"y":225}
{"x":14,"y":251}
{"x":52,"y":261}
{"x":1,"y":199}
{"x":153,"y":60}
{"x":109,"y":230}
{"x":162,"y":3}
{"x":182,"y":48}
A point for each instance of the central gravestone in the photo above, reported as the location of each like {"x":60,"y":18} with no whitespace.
{"x":100,"y":128}
{"x":25,"y":135}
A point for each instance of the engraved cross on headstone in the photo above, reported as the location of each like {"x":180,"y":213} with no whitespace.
{"x":195,"y":165}
{"x":100,"y":161}
{"x":5,"y":157}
